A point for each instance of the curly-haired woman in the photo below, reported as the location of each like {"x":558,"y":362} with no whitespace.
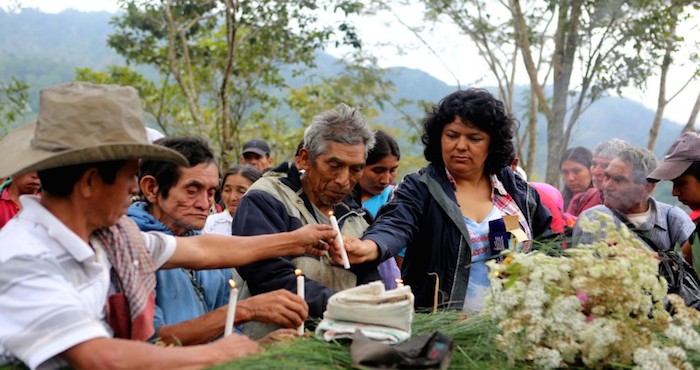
{"x":450,"y":213}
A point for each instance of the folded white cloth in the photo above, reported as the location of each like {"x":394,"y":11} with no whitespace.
{"x":330,"y":330}
{"x":382,"y":314}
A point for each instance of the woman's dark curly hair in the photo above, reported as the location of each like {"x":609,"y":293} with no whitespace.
{"x":481,"y":109}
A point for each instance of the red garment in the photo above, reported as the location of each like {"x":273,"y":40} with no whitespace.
{"x":583,"y":201}
{"x":8,"y":208}
{"x":694,"y":214}
{"x":550,"y":197}
{"x":557,"y":217}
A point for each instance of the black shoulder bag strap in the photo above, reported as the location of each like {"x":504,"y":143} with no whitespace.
{"x":642,"y":235}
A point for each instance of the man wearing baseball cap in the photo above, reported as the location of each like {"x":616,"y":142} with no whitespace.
{"x":76,"y":271}
{"x":256,"y":153}
{"x":682,"y":166}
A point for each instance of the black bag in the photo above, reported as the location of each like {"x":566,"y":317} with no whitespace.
{"x":420,"y":352}
{"x":679,"y":274}
{"x":681,"y":277}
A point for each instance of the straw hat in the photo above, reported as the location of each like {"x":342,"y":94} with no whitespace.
{"x":82,"y":123}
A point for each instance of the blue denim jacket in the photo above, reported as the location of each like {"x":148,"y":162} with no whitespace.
{"x":179,"y":295}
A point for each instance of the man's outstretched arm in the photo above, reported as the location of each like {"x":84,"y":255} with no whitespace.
{"x":109,"y":353}
{"x":213,"y":251}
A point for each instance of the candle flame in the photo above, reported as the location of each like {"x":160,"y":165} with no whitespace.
{"x":398,"y":281}
{"x":330,"y":213}
{"x":297,"y":272}
{"x":232,"y":283}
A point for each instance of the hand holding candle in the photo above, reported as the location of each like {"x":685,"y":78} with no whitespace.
{"x":231,"y":313}
{"x":339,"y":237}
{"x":300,"y":293}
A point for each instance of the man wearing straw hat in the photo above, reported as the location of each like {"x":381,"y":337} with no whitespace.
{"x":64,"y":254}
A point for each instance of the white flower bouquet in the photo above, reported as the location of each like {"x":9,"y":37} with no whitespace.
{"x":595,"y":305}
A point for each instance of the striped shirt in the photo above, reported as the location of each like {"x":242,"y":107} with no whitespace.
{"x":667,"y":226}
{"x":53,"y":286}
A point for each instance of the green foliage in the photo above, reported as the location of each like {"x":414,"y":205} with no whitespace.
{"x":361,"y":84}
{"x":13,"y":102}
{"x":643,"y":34}
{"x":162,"y":103}
{"x":222,"y":59}
{"x":472,"y":338}
{"x":583,"y":49}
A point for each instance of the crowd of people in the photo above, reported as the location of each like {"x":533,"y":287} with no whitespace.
{"x":114,"y":239}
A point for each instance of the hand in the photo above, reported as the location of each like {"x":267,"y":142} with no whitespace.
{"x":687,"y":250}
{"x":314,"y":238}
{"x":358,"y":250}
{"x":279,"y":335}
{"x":234,"y":346}
{"x":656,"y":257}
{"x":277,"y":307}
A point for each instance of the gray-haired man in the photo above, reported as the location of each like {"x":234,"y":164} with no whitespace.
{"x":603,"y":154}
{"x":332,"y":157}
{"x":627,"y":197}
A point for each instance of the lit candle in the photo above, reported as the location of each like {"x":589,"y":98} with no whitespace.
{"x":300,"y":293}
{"x":399,"y":283}
{"x":232,"y":298}
{"x":343,"y":253}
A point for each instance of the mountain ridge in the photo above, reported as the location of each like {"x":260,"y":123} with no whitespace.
{"x":43,"y":49}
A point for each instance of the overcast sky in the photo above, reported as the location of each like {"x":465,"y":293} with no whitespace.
{"x":457,"y":61}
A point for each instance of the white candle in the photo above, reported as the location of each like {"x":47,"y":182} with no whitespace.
{"x":231,"y":313}
{"x":399,"y":283}
{"x":300,"y":293}
{"x":343,"y":253}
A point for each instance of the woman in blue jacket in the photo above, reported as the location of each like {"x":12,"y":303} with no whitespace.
{"x":450,"y":214}
{"x":374,"y":189}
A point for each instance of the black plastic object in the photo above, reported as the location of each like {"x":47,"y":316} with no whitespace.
{"x":681,"y":278}
{"x":430,"y":351}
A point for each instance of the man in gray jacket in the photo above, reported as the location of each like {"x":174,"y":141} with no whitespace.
{"x":627,"y":197}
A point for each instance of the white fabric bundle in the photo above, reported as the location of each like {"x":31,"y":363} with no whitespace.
{"x":384,"y":315}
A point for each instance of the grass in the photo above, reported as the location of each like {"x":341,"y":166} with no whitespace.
{"x":473,"y":347}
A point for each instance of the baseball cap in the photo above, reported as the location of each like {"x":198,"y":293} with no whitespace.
{"x":683,"y":152}
{"x":256,"y":146}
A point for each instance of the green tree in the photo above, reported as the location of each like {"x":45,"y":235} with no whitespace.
{"x":668,"y":47}
{"x":223,"y":60}
{"x":361,"y":83}
{"x":690,"y":125}
{"x":581,"y":50}
{"x":162,"y":102}
{"x":13,"y":102}
{"x":601,"y":41}
{"x":493,"y":37}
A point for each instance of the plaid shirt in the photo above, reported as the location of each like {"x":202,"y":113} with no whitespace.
{"x":505,"y":203}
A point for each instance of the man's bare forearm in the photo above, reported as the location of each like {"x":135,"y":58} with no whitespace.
{"x":213,"y":251}
{"x":200,"y":330}
{"x":108,"y":353}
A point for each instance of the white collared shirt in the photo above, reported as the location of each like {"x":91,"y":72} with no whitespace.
{"x":219,"y":223}
{"x":53,"y":286}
